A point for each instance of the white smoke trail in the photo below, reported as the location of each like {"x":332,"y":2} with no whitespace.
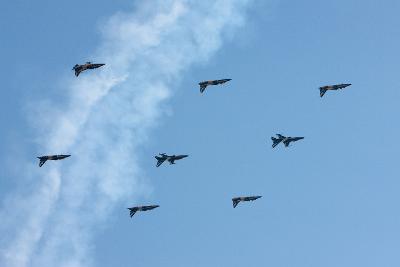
{"x":107,"y":116}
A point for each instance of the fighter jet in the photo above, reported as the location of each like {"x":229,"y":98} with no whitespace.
{"x":204,"y":84}
{"x":87,"y":66}
{"x":170,"y":159}
{"x":236,"y":200}
{"x":133,"y":210}
{"x":43,"y":159}
{"x":284,"y":139}
{"x":323,"y":89}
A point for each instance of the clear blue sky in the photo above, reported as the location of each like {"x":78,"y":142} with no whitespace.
{"x":329,"y":200}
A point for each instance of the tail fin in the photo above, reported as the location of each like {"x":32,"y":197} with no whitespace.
{"x":42,"y":161}
{"x":235,"y":202}
{"x":322,"y":91}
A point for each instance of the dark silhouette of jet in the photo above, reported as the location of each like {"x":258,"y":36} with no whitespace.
{"x":236,"y":200}
{"x":133,"y":210}
{"x":323,"y":89}
{"x":43,"y":159}
{"x":87,"y":66}
{"x":171,"y":159}
{"x":203,"y":85}
{"x":285,"y":140}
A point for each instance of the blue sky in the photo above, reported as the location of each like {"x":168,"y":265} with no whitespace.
{"x":330,"y":199}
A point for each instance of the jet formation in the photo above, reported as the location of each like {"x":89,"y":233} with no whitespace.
{"x":171,"y":159}
{"x":133,"y":210}
{"x":323,"y":89}
{"x":43,"y":159}
{"x":236,"y":200}
{"x":285,"y":140}
{"x":87,"y":66}
{"x":204,"y":84}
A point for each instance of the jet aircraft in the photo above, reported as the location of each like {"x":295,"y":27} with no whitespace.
{"x":171,"y":159}
{"x":43,"y":159}
{"x":133,"y":210}
{"x":286,"y":140}
{"x":323,"y":89}
{"x":204,"y":84}
{"x":236,"y":200}
{"x":87,"y":66}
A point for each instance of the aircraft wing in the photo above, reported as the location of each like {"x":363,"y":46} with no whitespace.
{"x":171,"y":161}
{"x":286,"y":142}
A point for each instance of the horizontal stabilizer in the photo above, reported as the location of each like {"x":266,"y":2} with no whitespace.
{"x":132,"y":211}
{"x":275,"y":141}
{"x":322,"y":91}
{"x":42,"y":161}
{"x":202,"y":88}
{"x":160,"y":161}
